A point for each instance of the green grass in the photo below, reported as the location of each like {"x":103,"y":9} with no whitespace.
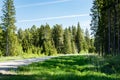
{"x":20,"y":57}
{"x":79,"y":67}
{"x":10,"y":58}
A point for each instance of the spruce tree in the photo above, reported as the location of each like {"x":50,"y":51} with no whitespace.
{"x":34,"y":33}
{"x":73,"y":41}
{"x":46,"y":42}
{"x":8,"y":25}
{"x":79,"y":39}
{"x":20,"y":35}
{"x":87,"y":39}
{"x":57,"y":34}
{"x":105,"y":25}
{"x":67,"y":42}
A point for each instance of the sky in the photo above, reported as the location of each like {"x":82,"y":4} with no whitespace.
{"x":63,"y":12}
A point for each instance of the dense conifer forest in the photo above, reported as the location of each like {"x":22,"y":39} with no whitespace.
{"x":46,"y":39}
{"x":105,"y":26}
{"x":50,"y":41}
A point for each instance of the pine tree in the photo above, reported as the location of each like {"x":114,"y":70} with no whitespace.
{"x":79,"y":39}
{"x":73,"y":39}
{"x":87,"y":39}
{"x":67,"y":42}
{"x":105,"y":24}
{"x":27,"y":40}
{"x":8,"y":25}
{"x":46,"y":42}
{"x":20,"y":35}
{"x":35,"y":35}
{"x":57,"y":34}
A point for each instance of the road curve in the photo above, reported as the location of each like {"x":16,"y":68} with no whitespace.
{"x":5,"y":67}
{"x":13,"y":65}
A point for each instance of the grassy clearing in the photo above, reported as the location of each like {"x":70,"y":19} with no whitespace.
{"x":79,"y":67}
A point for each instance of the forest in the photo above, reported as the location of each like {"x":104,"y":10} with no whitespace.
{"x":50,"y":40}
{"x":85,"y":55}
{"x":47,"y":40}
{"x":105,"y":26}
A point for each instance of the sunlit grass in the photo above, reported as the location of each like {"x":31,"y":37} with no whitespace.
{"x":20,"y":57}
{"x":10,"y":58}
{"x":79,"y":67}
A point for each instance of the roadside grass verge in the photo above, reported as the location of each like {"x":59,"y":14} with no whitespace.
{"x":20,"y":57}
{"x":79,"y":67}
{"x":10,"y":58}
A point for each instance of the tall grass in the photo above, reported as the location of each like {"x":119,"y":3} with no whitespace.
{"x":79,"y":67}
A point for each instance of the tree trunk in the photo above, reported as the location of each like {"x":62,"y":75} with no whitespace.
{"x":118,"y":26}
{"x":114,"y":41}
{"x":109,"y":26}
{"x":7,"y":44}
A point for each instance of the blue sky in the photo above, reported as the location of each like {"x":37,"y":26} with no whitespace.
{"x":65,"y":12}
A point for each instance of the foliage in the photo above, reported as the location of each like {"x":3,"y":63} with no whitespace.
{"x":57,"y":34}
{"x":87,"y":39}
{"x":46,"y":40}
{"x":105,"y":26}
{"x":79,"y":39}
{"x":67,"y":42}
{"x":10,"y":43}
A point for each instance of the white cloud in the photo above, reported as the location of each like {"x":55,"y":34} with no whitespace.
{"x":52,"y":18}
{"x":42,"y":3}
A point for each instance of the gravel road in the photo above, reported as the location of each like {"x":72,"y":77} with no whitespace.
{"x":5,"y":67}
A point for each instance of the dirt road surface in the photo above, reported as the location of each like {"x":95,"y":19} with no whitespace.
{"x":5,"y":67}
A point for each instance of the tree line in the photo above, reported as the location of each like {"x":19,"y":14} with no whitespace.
{"x":54,"y":40}
{"x":105,"y":26}
{"x":45,"y":39}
